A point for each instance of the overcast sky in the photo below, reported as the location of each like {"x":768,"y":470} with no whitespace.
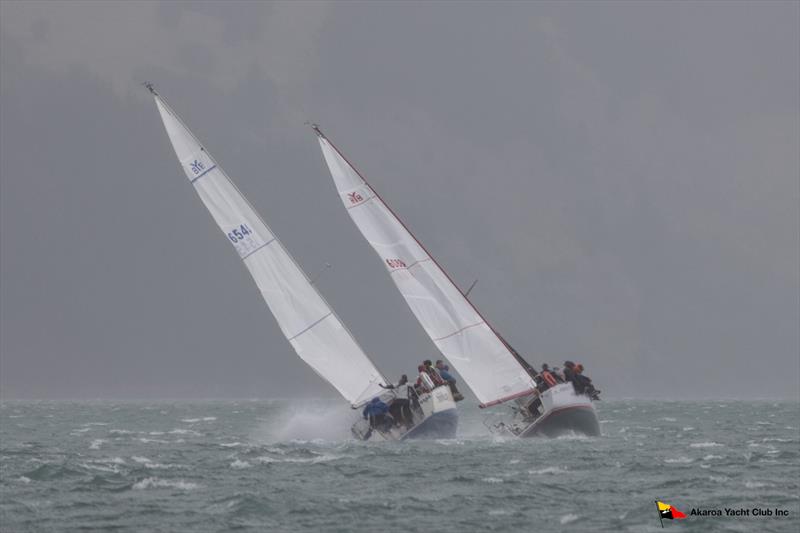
{"x":623,"y":178}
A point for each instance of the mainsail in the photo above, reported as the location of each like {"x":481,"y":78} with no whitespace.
{"x":483,"y":359}
{"x":305,"y":318}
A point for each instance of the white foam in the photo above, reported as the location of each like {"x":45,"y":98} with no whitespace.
{"x":755,"y":484}
{"x":202,"y":419}
{"x":568,"y":518}
{"x":669,"y":419}
{"x":549,"y":470}
{"x":240,"y":464}
{"x":705,"y":445}
{"x":141,"y":460}
{"x":113,"y":468}
{"x":96,"y":443}
{"x":492,"y":480}
{"x":159,"y":441}
{"x":679,"y":460}
{"x":154,"y":482}
{"x":121,"y":432}
{"x":709,"y":457}
{"x":313,"y":460}
{"x":24,"y":479}
{"x":776,"y":439}
{"x":184,"y":432}
{"x":230,"y":444}
{"x":688,"y":428}
{"x":156,"y":433}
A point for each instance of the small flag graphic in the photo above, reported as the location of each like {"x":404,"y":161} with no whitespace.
{"x":666,"y":510}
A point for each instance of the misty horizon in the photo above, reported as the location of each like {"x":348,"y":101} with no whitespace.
{"x":622,"y":179}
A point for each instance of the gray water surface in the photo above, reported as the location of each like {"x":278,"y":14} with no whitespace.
{"x":289,"y":466}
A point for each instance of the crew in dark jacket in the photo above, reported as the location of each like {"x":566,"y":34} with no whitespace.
{"x":378,"y":415}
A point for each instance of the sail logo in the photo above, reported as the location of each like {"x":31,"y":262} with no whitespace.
{"x":197,"y":167}
{"x":355,"y":197}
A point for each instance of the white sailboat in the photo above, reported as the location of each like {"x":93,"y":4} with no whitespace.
{"x":493,"y":370}
{"x":307,"y":321}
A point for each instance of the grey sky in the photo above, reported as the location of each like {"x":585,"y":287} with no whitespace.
{"x":624,"y":179}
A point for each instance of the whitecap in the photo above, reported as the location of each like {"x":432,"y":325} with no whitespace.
{"x":230,"y":444}
{"x":24,"y":479}
{"x":492,"y":480}
{"x":184,"y":432}
{"x":121,"y":432}
{"x":82,"y":430}
{"x":514,"y":461}
{"x":154,"y":482}
{"x":668,"y":419}
{"x":679,"y":460}
{"x":755,"y":484}
{"x":156,"y":433}
{"x":240,"y":464}
{"x":114,"y":469}
{"x":709,"y":457}
{"x":688,"y":428}
{"x":96,"y":443}
{"x":548,"y":470}
{"x":705,"y":445}
{"x":141,"y":460}
{"x":568,"y":518}
{"x":776,"y":439}
{"x":202,"y":419}
{"x":159,"y":441}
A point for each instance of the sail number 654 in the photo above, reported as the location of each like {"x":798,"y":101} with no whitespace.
{"x":239,"y":233}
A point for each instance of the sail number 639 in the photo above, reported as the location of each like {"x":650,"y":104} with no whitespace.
{"x":396,"y":263}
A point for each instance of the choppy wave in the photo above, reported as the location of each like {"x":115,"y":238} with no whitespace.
{"x":291,"y":466}
{"x":157,"y":483}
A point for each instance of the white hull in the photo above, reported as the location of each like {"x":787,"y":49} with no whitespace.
{"x":562,"y":412}
{"x":435,"y":416}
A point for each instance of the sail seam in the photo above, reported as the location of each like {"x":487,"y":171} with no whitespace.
{"x":459,"y":331}
{"x":311,"y":326}
{"x":203,"y":174}
{"x":257,"y":249}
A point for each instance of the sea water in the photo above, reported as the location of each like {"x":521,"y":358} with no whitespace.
{"x":277,"y":465}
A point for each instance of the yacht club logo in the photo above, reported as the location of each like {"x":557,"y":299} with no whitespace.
{"x":355,"y":197}
{"x":669,"y":512}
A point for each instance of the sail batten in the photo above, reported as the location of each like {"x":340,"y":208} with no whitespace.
{"x":304,"y":317}
{"x":454,"y":325}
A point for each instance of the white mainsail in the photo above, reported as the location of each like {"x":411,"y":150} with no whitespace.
{"x":305,"y":318}
{"x":462,"y":335}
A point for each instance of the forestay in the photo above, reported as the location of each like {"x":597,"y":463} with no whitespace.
{"x":310,"y":325}
{"x":450,"y":320}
